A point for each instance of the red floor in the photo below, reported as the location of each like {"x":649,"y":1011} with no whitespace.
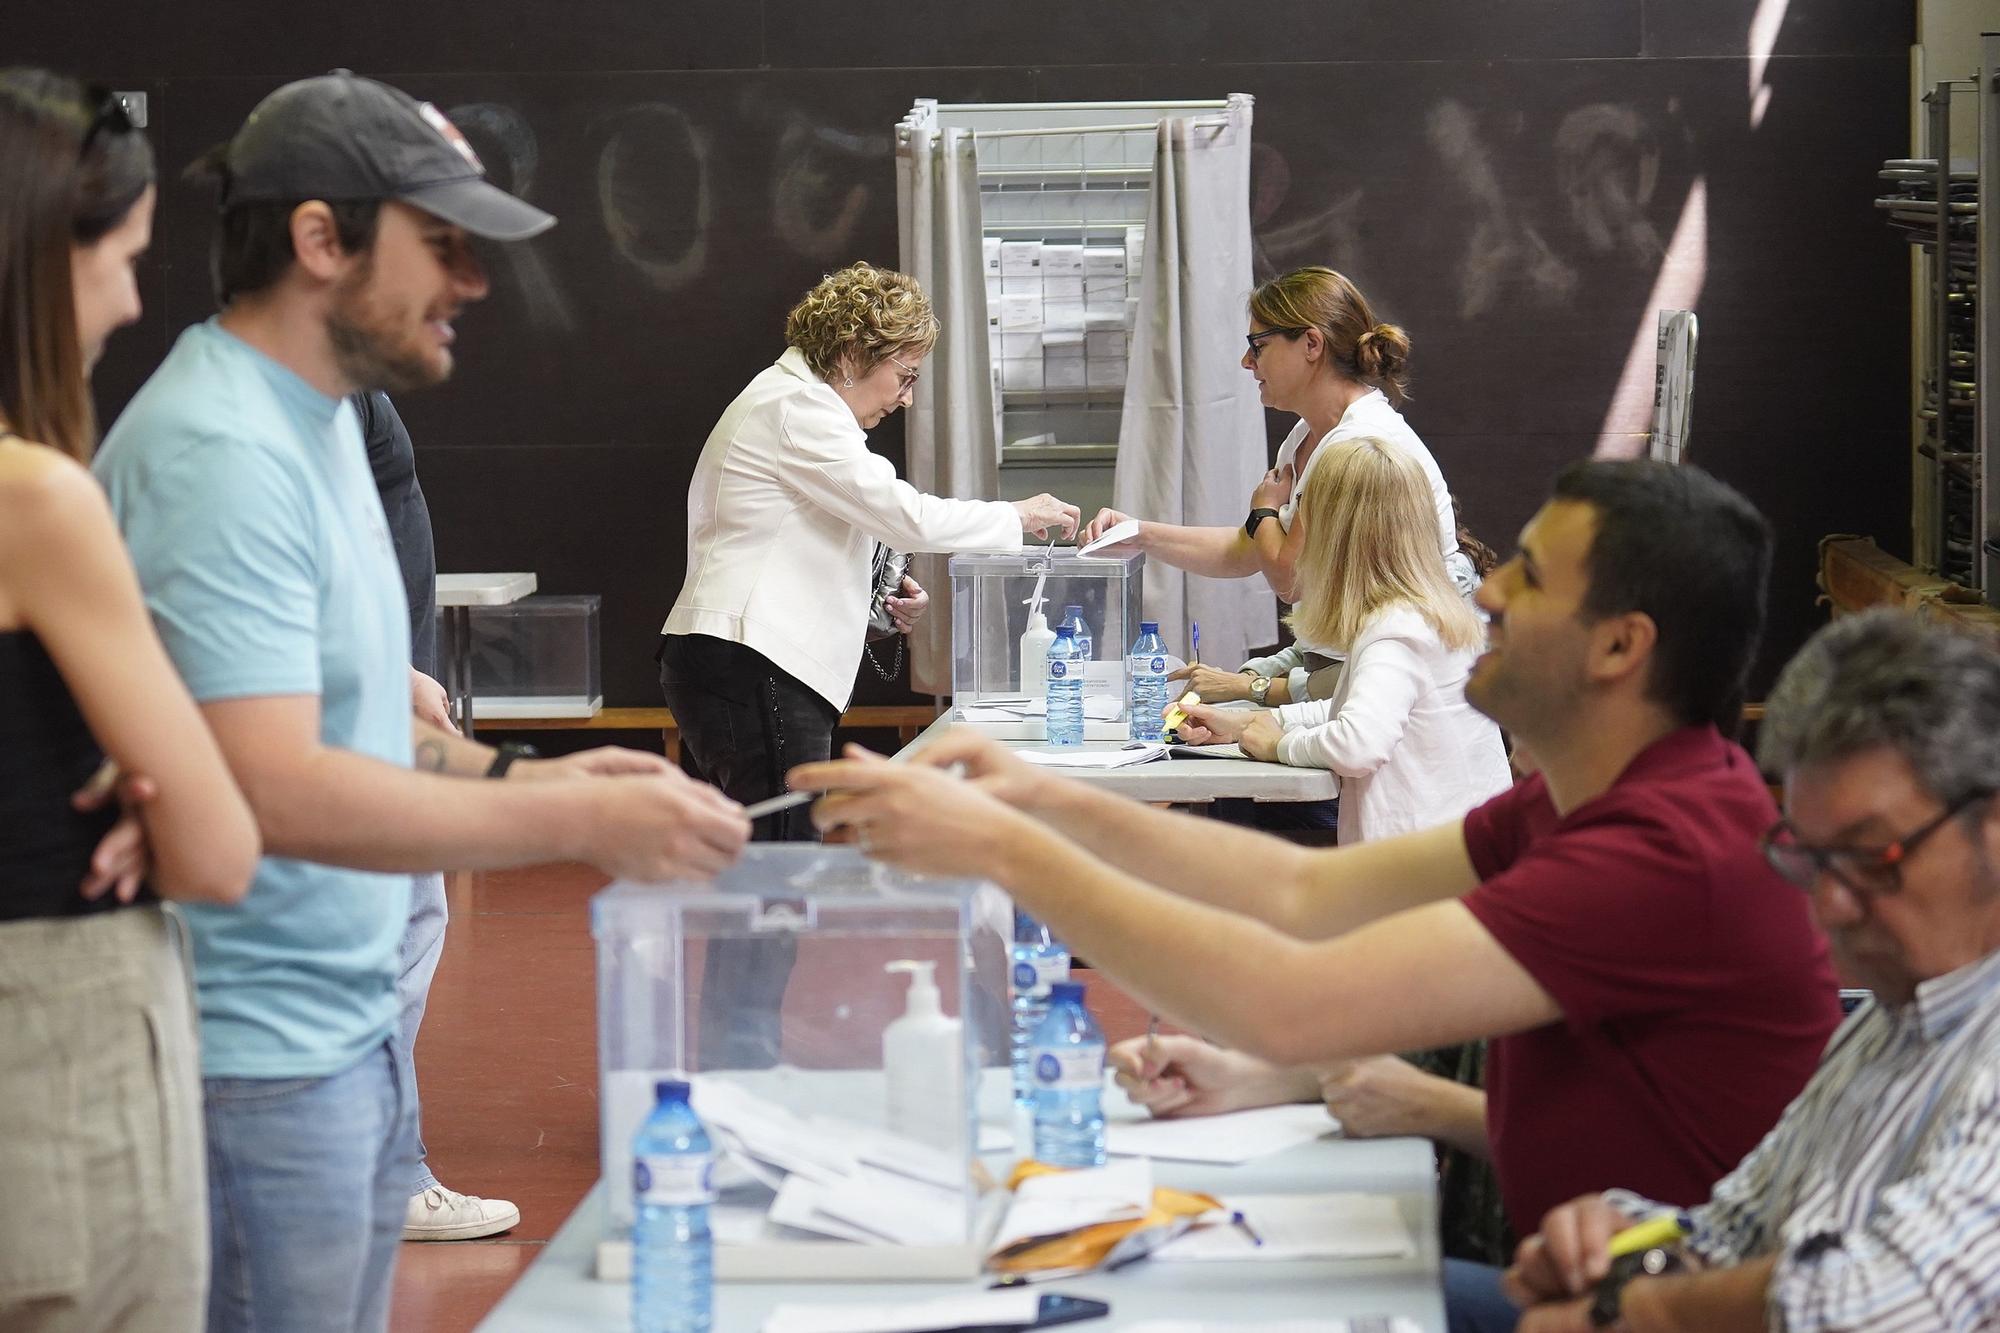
{"x":507,"y":1061}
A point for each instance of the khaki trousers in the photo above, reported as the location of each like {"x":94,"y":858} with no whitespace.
{"x":103,"y":1179}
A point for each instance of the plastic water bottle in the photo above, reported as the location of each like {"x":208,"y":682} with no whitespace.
{"x":1085,"y":645}
{"x":1146,"y":683}
{"x":673,"y":1268}
{"x":1065,"y":692}
{"x":1040,"y":961}
{"x":1069,"y":1082}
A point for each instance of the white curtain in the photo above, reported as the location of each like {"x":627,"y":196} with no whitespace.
{"x":949,"y":431}
{"x":1191,"y":445}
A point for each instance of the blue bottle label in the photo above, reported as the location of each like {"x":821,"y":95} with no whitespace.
{"x":1069,"y":1068}
{"x":674,"y":1181}
{"x":1033,"y":979}
{"x":1057,"y":670}
{"x":1159,"y":664}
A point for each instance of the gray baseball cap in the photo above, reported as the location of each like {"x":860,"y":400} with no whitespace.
{"x":341,"y":137}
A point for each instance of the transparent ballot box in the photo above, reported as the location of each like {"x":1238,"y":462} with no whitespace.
{"x":537,"y":657}
{"x":992,"y":597}
{"x":842,"y":1105}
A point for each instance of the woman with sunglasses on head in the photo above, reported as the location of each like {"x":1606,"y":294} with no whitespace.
{"x":102,"y":1169}
{"x":1317,"y":350}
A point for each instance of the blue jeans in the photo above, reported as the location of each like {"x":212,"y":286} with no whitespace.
{"x":1473,"y":1301}
{"x":423,"y":943}
{"x":307,"y":1182}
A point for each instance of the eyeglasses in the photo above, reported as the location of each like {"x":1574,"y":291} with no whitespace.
{"x":907,"y":380}
{"x":1867,"y":872}
{"x":110,"y":115}
{"x":1257,"y":340}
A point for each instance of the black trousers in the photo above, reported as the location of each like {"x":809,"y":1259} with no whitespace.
{"x":744,"y":724}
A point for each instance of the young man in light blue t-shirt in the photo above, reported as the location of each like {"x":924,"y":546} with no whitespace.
{"x":239,"y":477}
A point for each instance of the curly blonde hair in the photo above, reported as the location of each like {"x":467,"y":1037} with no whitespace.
{"x":862,"y":312}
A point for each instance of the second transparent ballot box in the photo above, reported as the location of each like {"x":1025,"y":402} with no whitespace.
{"x":834,"y":1017}
{"x":999,"y":645}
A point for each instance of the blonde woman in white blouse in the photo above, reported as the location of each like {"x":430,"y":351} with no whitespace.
{"x":1409,"y":751}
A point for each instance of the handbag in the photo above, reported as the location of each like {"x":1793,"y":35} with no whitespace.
{"x":890,"y":567}
{"x":886,"y":581}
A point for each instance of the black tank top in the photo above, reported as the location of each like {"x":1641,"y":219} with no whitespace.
{"x":46,"y":754}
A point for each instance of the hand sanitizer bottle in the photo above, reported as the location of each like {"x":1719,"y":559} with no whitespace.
{"x":923,"y":1056}
{"x":1034,"y":662}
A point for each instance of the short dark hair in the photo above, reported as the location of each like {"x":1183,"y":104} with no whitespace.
{"x":1686,"y":550}
{"x":1929,"y":692}
{"x":253,"y":241}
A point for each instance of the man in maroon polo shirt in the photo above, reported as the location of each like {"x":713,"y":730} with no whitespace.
{"x":1655,"y":994}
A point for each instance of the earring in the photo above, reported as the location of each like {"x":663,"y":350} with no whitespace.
{"x":847,"y":381}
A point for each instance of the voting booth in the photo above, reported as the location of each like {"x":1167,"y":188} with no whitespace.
{"x":835,"y":1018}
{"x":1003,"y":607}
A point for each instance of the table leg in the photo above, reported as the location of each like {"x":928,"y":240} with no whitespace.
{"x":460,"y":683}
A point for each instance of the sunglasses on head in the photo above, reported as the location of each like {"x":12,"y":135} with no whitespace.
{"x":109,"y":116}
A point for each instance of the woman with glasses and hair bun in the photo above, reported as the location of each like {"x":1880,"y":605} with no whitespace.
{"x":1317,"y":350}
{"x":102,"y":1169}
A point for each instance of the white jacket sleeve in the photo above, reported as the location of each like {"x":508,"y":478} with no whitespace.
{"x":827,"y":462}
{"x":1386,"y":677}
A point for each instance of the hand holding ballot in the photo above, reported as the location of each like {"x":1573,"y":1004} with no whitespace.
{"x":1106,"y":520}
{"x":920,"y":816}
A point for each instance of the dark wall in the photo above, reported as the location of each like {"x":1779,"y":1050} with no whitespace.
{"x":1500,"y":177}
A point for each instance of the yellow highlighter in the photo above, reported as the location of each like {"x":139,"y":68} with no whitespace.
{"x":1653,"y":1233}
{"x":1175,"y":716}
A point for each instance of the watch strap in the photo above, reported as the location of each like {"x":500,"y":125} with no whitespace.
{"x":1257,"y":517}
{"x":503,"y":759}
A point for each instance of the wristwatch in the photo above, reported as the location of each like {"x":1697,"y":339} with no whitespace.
{"x":508,"y":753}
{"x":1607,"y":1303}
{"x":1257,"y":516}
{"x":1259,"y":687}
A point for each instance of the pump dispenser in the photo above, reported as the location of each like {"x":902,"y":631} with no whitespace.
{"x":1035,"y":643}
{"x":923,"y":1056}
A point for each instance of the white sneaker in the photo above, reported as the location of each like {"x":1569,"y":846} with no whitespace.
{"x":442,"y":1214}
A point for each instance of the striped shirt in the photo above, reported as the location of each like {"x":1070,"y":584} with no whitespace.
{"x":1879,"y":1188}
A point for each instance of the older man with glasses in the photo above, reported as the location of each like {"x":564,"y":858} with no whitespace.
{"x":1875,"y":1202}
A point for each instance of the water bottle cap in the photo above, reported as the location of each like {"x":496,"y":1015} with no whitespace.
{"x":1149,"y":627}
{"x":671,"y":1090}
{"x":1071,"y":991}
{"x":1073,"y":609}
{"x":1065,"y":631}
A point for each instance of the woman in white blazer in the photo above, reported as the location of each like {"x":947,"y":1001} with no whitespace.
{"x":784,"y":512}
{"x":1409,"y":750}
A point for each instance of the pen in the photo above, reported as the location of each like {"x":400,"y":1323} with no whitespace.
{"x":1152,"y":1040}
{"x":1665,"y":1229}
{"x":1195,"y":634}
{"x":1242,"y":1224}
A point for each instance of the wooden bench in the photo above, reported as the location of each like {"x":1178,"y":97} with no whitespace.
{"x":907,"y":719}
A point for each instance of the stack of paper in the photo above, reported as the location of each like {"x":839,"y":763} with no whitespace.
{"x":1064,"y":1201}
{"x":1070,"y":756}
{"x":834,"y":1177}
{"x":1121,"y":532}
{"x":1225,"y":1140}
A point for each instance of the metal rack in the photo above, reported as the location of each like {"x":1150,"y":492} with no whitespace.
{"x":1933,"y":204}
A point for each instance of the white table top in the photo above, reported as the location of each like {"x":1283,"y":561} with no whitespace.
{"x":1183,"y":781}
{"x":558,"y":1291}
{"x":483,"y":589}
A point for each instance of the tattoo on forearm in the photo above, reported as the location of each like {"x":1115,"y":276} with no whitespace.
{"x":430,"y":756}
